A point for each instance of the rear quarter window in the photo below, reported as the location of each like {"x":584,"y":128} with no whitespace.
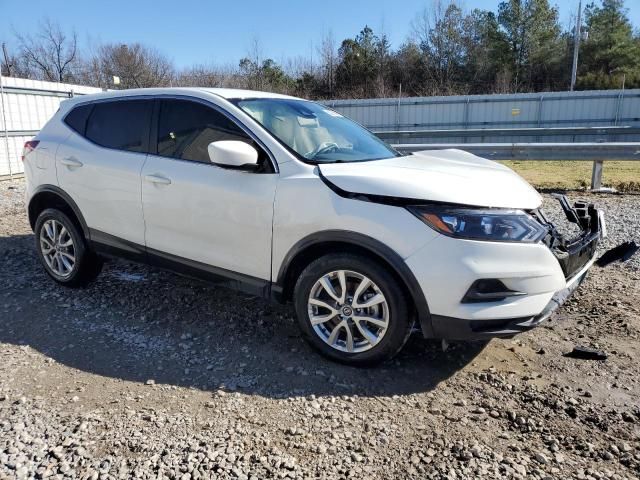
{"x":77,"y":118}
{"x":122,"y":125}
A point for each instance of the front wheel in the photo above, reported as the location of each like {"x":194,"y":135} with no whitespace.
{"x":351,"y":309}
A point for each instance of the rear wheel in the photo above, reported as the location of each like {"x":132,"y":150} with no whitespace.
{"x":63,"y":250}
{"x":351,"y":309}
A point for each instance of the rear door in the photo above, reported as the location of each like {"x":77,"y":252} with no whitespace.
{"x":195,"y":210}
{"x":99,"y":165}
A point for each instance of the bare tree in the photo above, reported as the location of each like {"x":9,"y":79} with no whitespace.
{"x":329,"y":59}
{"x":382,"y":87}
{"x":7,"y":63}
{"x":51,"y":54}
{"x":439,"y":32}
{"x":225,"y":76}
{"x":13,"y":65}
{"x":136,"y":65}
{"x":296,"y":66}
{"x":250,"y":65}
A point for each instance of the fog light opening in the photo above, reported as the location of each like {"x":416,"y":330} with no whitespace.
{"x":489,"y":290}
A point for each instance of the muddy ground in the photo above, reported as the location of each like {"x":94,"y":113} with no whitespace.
{"x":146,"y":374}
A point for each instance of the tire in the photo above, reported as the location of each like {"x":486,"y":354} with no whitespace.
{"x":370,"y":343}
{"x":55,"y":229}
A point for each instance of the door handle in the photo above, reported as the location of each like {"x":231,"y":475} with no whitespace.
{"x":71,"y":162}
{"x":157,"y":179}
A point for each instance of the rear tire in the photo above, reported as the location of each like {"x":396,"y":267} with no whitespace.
{"x":352,"y":310}
{"x":63,"y":250}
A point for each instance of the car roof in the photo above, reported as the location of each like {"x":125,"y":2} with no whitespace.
{"x":242,"y":93}
{"x":226,"y":93}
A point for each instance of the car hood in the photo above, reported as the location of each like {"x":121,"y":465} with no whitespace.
{"x":450,"y":176}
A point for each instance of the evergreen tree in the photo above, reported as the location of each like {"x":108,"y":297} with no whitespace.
{"x":546,"y":60}
{"x":487,"y":51}
{"x":536,"y":52}
{"x":358,"y":64}
{"x":611,"y":52}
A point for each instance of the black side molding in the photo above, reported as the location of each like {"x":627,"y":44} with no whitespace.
{"x":112,"y":246}
{"x":219,"y":276}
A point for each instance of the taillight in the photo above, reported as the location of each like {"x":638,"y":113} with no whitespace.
{"x":29,"y":147}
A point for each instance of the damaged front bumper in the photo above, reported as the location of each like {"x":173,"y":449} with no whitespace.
{"x":575,"y":254}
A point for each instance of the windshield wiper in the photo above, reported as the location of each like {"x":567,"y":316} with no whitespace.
{"x":331,"y":161}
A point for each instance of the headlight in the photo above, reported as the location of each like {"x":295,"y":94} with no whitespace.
{"x":481,"y":224}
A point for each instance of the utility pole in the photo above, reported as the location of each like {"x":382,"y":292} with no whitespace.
{"x":576,"y":46}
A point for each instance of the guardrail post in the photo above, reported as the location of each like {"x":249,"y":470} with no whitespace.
{"x":466,"y":117}
{"x":596,"y":175}
{"x":398,"y":110}
{"x":540,"y":110}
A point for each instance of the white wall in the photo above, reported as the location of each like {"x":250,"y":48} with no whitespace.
{"x":27,"y":105}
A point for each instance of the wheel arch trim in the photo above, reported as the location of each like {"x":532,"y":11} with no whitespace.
{"x":361,"y":242}
{"x":66,"y":198}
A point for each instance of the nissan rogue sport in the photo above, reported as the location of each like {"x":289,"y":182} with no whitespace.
{"x":288,"y":199}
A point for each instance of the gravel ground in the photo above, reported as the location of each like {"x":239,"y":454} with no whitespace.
{"x":146,"y":374}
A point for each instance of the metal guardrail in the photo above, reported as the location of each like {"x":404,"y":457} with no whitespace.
{"x":538,"y":151}
{"x":596,"y":152}
{"x":600,"y":149}
{"x":511,"y":132}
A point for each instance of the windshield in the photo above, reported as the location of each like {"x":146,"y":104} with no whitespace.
{"x":316,"y":133}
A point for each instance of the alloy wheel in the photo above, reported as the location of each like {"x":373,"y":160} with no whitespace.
{"x":348,"y":311}
{"x":58,"y":250}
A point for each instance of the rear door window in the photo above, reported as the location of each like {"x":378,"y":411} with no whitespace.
{"x":122,"y":124}
{"x":185,"y":130}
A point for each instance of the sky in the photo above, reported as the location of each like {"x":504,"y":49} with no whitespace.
{"x":201,"y":32}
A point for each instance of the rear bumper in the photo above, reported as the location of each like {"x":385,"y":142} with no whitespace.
{"x":463,"y":329}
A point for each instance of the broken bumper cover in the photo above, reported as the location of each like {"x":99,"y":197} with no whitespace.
{"x":462,"y":329}
{"x":575,"y":256}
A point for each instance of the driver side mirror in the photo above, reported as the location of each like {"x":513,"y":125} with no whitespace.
{"x":233,"y":154}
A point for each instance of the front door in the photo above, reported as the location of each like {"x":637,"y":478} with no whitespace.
{"x":197,"y":211}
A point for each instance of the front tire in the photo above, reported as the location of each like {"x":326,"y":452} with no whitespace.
{"x":63,"y":251}
{"x":351,"y":309}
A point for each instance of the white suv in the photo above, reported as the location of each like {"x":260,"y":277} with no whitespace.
{"x":288,"y":199}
